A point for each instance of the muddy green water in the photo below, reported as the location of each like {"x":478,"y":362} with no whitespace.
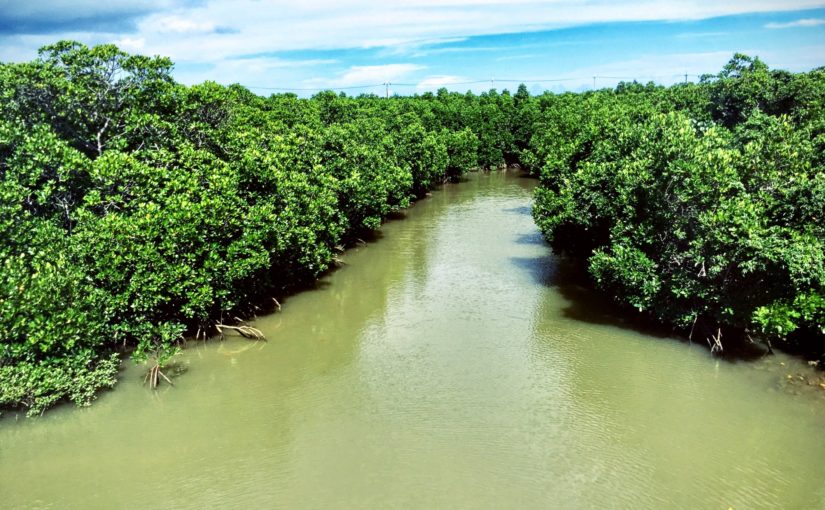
{"x":446,"y":365}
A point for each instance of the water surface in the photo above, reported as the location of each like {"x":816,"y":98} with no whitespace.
{"x":448,"y":364}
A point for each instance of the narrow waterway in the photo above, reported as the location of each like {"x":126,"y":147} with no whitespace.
{"x":448,"y":364}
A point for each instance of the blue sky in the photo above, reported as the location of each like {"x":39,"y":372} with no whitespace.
{"x":421,"y":45}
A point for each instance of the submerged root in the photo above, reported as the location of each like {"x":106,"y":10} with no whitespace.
{"x":244,"y":331}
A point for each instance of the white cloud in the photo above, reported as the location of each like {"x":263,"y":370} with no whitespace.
{"x":518,"y":57}
{"x":804,"y":58}
{"x":263,"y":64}
{"x":132,"y":44}
{"x":807,"y":22}
{"x":664,"y":69}
{"x":193,"y":33}
{"x":699,"y":35}
{"x":254,"y":72}
{"x":177,"y":24}
{"x":417,"y":48}
{"x":366,"y":75}
{"x":436,"y":82}
{"x":364,"y":79}
{"x":77,"y":10}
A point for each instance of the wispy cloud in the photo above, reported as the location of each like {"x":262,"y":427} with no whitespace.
{"x":518,"y":57}
{"x":60,"y":16}
{"x":254,"y":71}
{"x":804,"y":57}
{"x":362,"y":75}
{"x":166,"y":24}
{"x":807,"y":22}
{"x":416,"y":47}
{"x":436,"y":82}
{"x":263,"y":62}
{"x":342,"y":43}
{"x":700,"y":35}
{"x":184,"y":25}
{"x":194,"y":29}
{"x":238,"y":66}
{"x":661,"y":68}
{"x":133,"y":44}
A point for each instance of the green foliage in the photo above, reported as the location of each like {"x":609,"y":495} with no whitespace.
{"x":136,"y":210}
{"x":41,"y":383}
{"x":696,"y":223}
{"x":370,"y":185}
{"x":94,"y":98}
{"x":425,"y":153}
{"x":462,"y":151}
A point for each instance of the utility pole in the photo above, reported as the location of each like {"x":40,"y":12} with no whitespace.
{"x":492,"y":83}
{"x":387,"y":88}
{"x":594,"y":83}
{"x":686,"y":77}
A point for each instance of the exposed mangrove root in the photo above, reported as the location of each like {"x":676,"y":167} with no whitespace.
{"x":153,"y":377}
{"x":244,"y":331}
{"x":690,"y":336}
{"x":716,"y":345}
{"x":277,"y":304}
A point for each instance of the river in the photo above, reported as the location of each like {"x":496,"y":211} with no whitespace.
{"x":449,"y":363}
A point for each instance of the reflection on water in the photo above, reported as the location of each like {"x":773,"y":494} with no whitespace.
{"x":452,"y":362}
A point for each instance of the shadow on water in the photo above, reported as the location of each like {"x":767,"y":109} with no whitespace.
{"x":399,"y":215}
{"x":585,"y":304}
{"x":308,"y":287}
{"x":524,"y":209}
{"x":534,"y":238}
{"x":367,"y":236}
{"x":524,"y":174}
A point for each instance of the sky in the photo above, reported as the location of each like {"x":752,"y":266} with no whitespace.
{"x":417,"y":46}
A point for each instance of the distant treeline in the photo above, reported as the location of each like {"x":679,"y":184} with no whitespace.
{"x":136,"y":210}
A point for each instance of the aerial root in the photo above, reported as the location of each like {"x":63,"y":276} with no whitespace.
{"x":716,"y":346}
{"x":153,"y":377}
{"x":244,"y":331}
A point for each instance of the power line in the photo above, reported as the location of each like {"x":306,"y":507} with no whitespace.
{"x":492,"y":81}
{"x":540,"y":80}
{"x":288,"y":89}
{"x":445,"y":84}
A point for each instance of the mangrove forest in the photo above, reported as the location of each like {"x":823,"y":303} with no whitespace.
{"x":138,"y":212}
